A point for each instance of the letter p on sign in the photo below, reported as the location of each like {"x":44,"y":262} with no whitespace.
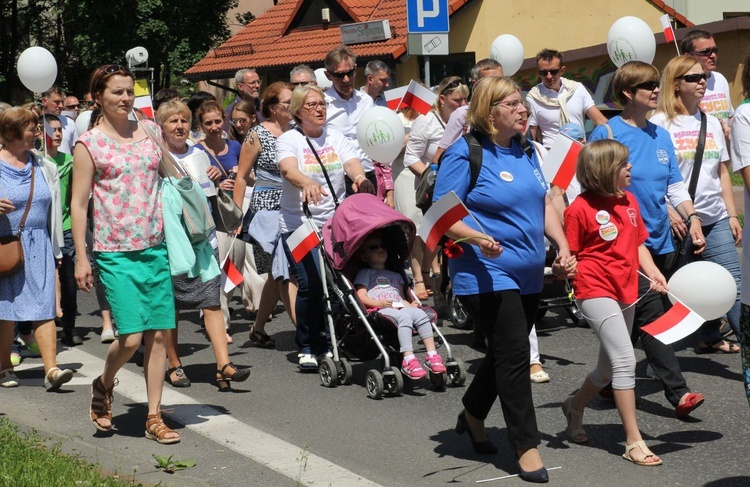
{"x":427,"y":16}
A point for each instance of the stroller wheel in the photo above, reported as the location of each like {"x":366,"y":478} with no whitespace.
{"x":374,"y":384}
{"x":437,"y":381}
{"x":328,"y":373}
{"x":393,"y":382}
{"x":344,"y":368}
{"x":456,"y":372}
{"x":458,"y":314}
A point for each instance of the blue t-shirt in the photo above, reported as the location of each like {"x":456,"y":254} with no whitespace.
{"x":508,"y":200}
{"x":229,"y":160}
{"x":655,"y":168}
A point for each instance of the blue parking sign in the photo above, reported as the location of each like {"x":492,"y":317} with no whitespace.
{"x":427,"y":16}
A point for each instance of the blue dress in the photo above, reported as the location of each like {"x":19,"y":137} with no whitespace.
{"x":28,"y":295}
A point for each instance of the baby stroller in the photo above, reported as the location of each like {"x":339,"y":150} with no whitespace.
{"x":360,"y":334}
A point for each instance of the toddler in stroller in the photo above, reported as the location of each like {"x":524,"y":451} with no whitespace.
{"x":378,"y":287}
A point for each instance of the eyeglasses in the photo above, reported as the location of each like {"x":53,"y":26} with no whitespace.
{"x":90,"y":103}
{"x":452,"y":86}
{"x":240,"y":121}
{"x":510,"y":105}
{"x":342,"y":74}
{"x":73,"y":107}
{"x":544,"y":72}
{"x":300,"y":83}
{"x":315,"y":105}
{"x":693,"y":78}
{"x":647,"y":85}
{"x":376,"y":247}
{"x":707,"y":51}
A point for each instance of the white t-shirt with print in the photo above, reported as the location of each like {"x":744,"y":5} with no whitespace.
{"x":381,"y":284}
{"x":717,"y":100}
{"x":684,"y":131}
{"x":740,"y":150}
{"x":548,"y":119}
{"x":334,"y":149}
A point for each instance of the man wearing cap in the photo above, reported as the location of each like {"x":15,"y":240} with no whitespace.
{"x":700,"y":45}
{"x":557,"y":100}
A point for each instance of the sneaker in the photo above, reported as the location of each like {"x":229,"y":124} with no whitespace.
{"x":15,"y":359}
{"x":434,"y":363}
{"x":108,"y":336}
{"x":413,"y":370}
{"x":308,"y":362}
{"x":33,"y":350}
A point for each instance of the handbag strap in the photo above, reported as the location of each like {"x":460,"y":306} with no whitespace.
{"x":168,"y":164}
{"x":213,"y":156}
{"x":323,"y":167}
{"x":31,"y":197}
{"x":698,"y":160}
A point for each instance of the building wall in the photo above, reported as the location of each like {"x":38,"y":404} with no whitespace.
{"x":703,"y":11}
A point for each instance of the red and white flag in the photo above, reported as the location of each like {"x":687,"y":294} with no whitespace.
{"x":231,"y":277}
{"x":302,"y":241}
{"x":395,"y":98}
{"x":419,"y":98}
{"x":677,"y":323}
{"x":666,"y":25}
{"x":440,"y":217}
{"x":560,"y":164}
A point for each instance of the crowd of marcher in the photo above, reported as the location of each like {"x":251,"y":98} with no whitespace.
{"x":102,"y":208}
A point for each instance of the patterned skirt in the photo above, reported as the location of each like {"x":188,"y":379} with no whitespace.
{"x":264,"y":199}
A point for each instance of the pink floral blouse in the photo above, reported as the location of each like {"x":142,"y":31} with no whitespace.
{"x":127,"y":207}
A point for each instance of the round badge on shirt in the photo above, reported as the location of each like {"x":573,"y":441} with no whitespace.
{"x":608,"y":232}
{"x":602,"y":217}
{"x":506,"y":176}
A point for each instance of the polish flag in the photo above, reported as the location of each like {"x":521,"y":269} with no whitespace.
{"x":395,"y":98}
{"x":302,"y":241}
{"x":440,"y":217}
{"x":667,"y":26}
{"x":677,"y":323}
{"x":560,"y":165}
{"x":419,"y":98}
{"x":231,"y":277}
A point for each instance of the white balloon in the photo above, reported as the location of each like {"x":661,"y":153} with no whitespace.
{"x":508,"y":51}
{"x":705,"y":287}
{"x":320,"y":78}
{"x":380,"y":134}
{"x":37,"y":69}
{"x":82,"y":122}
{"x":631,"y":39}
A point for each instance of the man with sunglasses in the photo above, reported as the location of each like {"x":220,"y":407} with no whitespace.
{"x":377,"y":79}
{"x":557,"y":100}
{"x":346,"y":104}
{"x":72,"y":107}
{"x":53,"y":102}
{"x":302,"y":75}
{"x":717,"y":101}
{"x":88,"y":101}
{"x":248,"y":86}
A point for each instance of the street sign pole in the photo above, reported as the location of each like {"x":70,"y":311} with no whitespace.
{"x":427,"y":71}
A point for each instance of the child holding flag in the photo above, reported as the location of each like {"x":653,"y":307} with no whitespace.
{"x":606,"y":233}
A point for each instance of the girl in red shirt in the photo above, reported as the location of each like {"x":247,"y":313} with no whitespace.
{"x":606,"y":234}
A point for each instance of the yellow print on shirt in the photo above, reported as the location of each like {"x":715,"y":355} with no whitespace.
{"x":328,"y":156}
{"x":716,"y":105}
{"x":687,"y":140}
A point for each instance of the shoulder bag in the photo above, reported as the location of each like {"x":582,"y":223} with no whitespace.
{"x":227,"y":215}
{"x":11,"y":249}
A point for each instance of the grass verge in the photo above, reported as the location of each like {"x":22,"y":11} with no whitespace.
{"x":28,"y":459}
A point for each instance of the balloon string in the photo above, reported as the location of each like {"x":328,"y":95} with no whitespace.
{"x":587,"y":318}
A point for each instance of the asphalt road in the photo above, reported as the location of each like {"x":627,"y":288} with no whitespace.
{"x":281,"y":427}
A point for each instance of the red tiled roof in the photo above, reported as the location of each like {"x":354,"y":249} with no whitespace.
{"x":669,"y":10}
{"x":263,"y":43}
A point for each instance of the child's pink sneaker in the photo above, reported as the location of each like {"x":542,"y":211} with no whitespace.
{"x":412,"y":369}
{"x":435,"y":364}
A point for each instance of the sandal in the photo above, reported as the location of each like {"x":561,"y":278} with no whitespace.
{"x":722,"y":346}
{"x":223,"y":380}
{"x":429,"y":289}
{"x":182,"y":379}
{"x":261,"y":339}
{"x":646,"y":454}
{"x":156,"y":430}
{"x":575,"y":435}
{"x":8,"y":378}
{"x":421,"y":295}
{"x":101,"y":404}
{"x":56,"y":378}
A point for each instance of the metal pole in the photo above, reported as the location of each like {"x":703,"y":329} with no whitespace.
{"x":427,"y":71}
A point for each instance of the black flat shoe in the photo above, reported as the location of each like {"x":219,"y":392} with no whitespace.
{"x":482,"y":447}
{"x":181,"y":381}
{"x":539,"y":476}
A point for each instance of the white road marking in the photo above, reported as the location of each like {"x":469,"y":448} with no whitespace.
{"x":260,"y":447}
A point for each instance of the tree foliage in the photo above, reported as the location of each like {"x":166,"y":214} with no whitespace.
{"x":83,"y":34}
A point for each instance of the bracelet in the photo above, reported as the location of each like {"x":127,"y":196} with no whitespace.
{"x":359,"y":176}
{"x":692,"y":217}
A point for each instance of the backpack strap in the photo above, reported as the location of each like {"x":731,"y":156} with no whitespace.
{"x":475,"y":157}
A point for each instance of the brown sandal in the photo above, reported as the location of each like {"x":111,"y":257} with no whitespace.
{"x":156,"y":430}
{"x":101,"y":403}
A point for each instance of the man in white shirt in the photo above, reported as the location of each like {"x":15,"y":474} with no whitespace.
{"x":717,"y":101}
{"x":52,"y":104}
{"x":377,"y":80}
{"x":557,"y":100}
{"x":346,"y":104}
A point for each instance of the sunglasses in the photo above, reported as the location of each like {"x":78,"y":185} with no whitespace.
{"x":301,"y":83}
{"x":89,"y":103}
{"x":72,"y":107}
{"x":647,"y":85}
{"x":342,"y":74}
{"x":706,"y":52}
{"x":544,"y":72}
{"x":117,"y":68}
{"x":693,"y":78}
{"x":376,"y":247}
{"x":452,"y":86}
